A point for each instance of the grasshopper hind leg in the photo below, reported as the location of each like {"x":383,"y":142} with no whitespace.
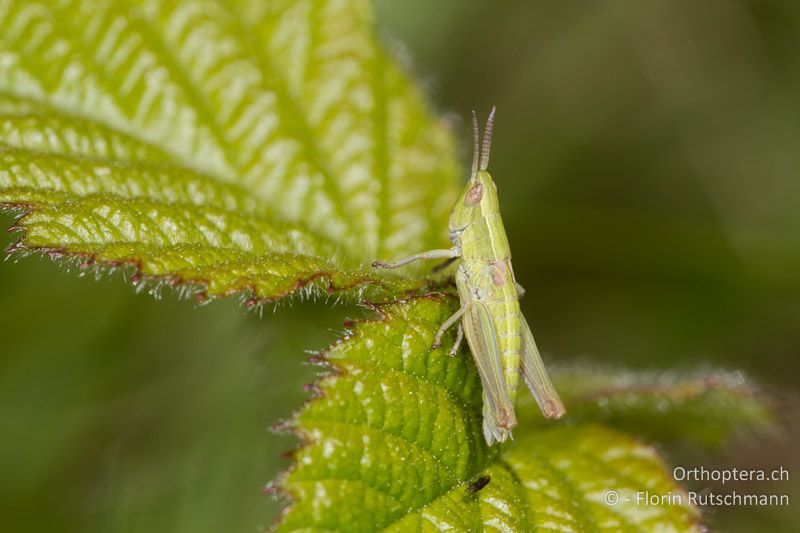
{"x":536,"y":377}
{"x":495,"y":430}
{"x":498,"y":406}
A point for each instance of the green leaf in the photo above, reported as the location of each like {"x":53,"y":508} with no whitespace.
{"x":241,"y":147}
{"x":707,"y":406}
{"x":393,"y":440}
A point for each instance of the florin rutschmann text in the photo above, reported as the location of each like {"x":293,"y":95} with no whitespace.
{"x":708,"y":497}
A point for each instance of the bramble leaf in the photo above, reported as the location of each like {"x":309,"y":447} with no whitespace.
{"x":270,"y":148}
{"x":705,"y":406}
{"x":241,"y":147}
{"x":393,"y":441}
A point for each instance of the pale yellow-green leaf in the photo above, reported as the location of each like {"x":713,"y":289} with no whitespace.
{"x":257,"y":147}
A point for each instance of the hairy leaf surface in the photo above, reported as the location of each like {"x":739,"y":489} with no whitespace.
{"x":256,"y":147}
{"x":392,"y":440}
{"x":706,"y":406}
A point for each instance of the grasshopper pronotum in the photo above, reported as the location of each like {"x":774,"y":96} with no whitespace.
{"x":498,"y":335}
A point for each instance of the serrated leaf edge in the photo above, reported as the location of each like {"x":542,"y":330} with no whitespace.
{"x":319,"y":284}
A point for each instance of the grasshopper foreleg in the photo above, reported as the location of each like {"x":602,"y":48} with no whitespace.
{"x":448,"y":253}
{"x":437,"y":340}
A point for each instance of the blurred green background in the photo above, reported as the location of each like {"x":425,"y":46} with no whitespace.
{"x":647,"y":158}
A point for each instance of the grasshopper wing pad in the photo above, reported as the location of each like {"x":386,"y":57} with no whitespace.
{"x":536,"y":378}
{"x":498,"y":412}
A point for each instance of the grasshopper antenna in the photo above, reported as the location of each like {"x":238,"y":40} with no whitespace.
{"x":475,"y":146}
{"x":487,"y":141}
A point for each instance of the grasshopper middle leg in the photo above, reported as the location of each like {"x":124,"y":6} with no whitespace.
{"x":437,"y":340}
{"x":459,"y":337}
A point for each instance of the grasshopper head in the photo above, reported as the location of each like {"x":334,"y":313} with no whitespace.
{"x":478,"y":200}
{"x":480,"y":195}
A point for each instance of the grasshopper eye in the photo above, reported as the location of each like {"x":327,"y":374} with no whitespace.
{"x":474,"y":194}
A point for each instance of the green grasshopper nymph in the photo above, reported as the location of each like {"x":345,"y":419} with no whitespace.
{"x":498,"y":335}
